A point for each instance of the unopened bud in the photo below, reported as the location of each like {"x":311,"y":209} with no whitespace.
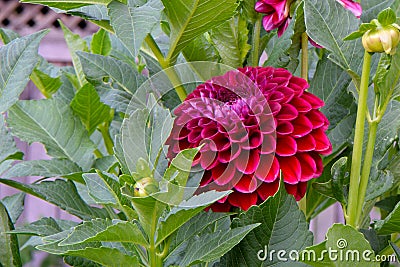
{"x":145,"y":187}
{"x":382,"y":39}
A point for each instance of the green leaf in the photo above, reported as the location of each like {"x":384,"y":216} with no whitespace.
{"x":278,"y":46}
{"x":132,"y":22}
{"x":348,"y":242}
{"x":200,"y":49}
{"x":94,"y":12}
{"x":67,"y":4}
{"x":75,"y":43}
{"x":105,"y":231}
{"x":180,"y":166}
{"x":7,"y":148}
{"x":86,"y":104}
{"x":212,"y":246}
{"x":396,"y":250}
{"x":60,"y":193}
{"x":45,"y":168}
{"x":46,"y":84}
{"x":283,"y":227}
{"x":105,"y":256}
{"x":387,"y":17}
{"x":184,"y":212}
{"x":52,"y":123}
{"x":14,"y":205}
{"x":19,"y":58}
{"x":372,"y":8}
{"x":98,"y":67}
{"x":391,"y":224}
{"x":101,"y":43}
{"x":79,"y":262}
{"x":9,"y":252}
{"x":230,"y":40}
{"x":42,"y":227}
{"x":387,"y":79}
{"x":328,"y":23}
{"x":330,"y":83}
{"x":188,"y":19}
{"x":7,"y":35}
{"x":116,"y":99}
{"x":249,"y":11}
{"x":388,"y":203}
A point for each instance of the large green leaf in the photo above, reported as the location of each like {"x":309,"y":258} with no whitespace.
{"x":7,"y":148}
{"x":330,"y":83}
{"x":52,"y":123}
{"x":9,"y":252}
{"x":18,"y":59}
{"x":230,"y":40}
{"x":327,"y":23}
{"x":46,"y":84}
{"x":60,"y":193}
{"x":86,"y":104}
{"x":14,"y":205}
{"x":346,"y":241}
{"x":371,"y":9}
{"x":105,"y":256}
{"x":75,"y":43}
{"x":45,"y":168}
{"x":283,"y":227}
{"x":189,"y":19}
{"x":67,"y":4}
{"x":132,"y":22}
{"x":94,"y":12}
{"x":200,"y":49}
{"x":391,"y":224}
{"x":101,"y":43}
{"x":209,"y":247}
{"x":105,"y":189}
{"x":98,"y":67}
{"x":105,"y":231}
{"x":187,"y":209}
{"x":43,"y":227}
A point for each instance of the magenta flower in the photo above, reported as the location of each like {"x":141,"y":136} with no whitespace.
{"x":277,"y":14}
{"x":354,"y":7}
{"x":252,"y":127}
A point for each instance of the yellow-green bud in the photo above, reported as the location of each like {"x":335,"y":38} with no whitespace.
{"x":145,"y":187}
{"x":382,"y":39}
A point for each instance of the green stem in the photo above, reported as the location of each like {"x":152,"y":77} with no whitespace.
{"x":366,"y":169}
{"x":256,"y":42}
{"x":166,"y":66}
{"x":389,"y":250}
{"x":104,"y":129}
{"x":154,"y":258}
{"x":351,"y":216}
{"x":304,"y":56}
{"x":98,"y":153}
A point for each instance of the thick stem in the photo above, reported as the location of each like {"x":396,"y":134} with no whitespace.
{"x":351,"y":216}
{"x":304,"y":56}
{"x":366,"y":169}
{"x":255,"y":55}
{"x":166,"y":65}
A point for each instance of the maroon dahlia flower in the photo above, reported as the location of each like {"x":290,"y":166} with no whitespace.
{"x":253,"y":124}
{"x":276,"y":14}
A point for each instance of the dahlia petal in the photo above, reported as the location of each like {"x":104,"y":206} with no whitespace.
{"x":276,"y":96}
{"x":308,"y":166}
{"x":317,"y":118}
{"x":194,"y":136}
{"x":282,"y":28}
{"x":229,"y":154}
{"x":287,"y":112}
{"x":296,"y":82}
{"x":284,"y":128}
{"x":243,"y":201}
{"x":315,"y":101}
{"x":291,"y":169}
{"x":263,"y":8}
{"x":223,"y":173}
{"x":306,"y":143}
{"x":302,"y":126}
{"x":287,"y":92}
{"x":267,"y":124}
{"x":266,"y":190}
{"x":297,"y":190}
{"x":300,"y":104}
{"x":268,"y":23}
{"x":207,"y":159}
{"x":321,"y":140}
{"x":219,"y":142}
{"x":255,"y":139}
{"x":246,"y":184}
{"x":220,"y":207}
{"x":269,"y":144}
{"x":354,"y":7}
{"x":247,"y":162}
{"x":267,"y":171}
{"x":286,"y":146}
{"x":318,"y":163}
{"x":206,"y":179}
{"x":183,"y":133}
{"x":208,"y":132}
{"x":275,"y":107}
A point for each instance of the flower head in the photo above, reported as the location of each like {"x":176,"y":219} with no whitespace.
{"x":354,"y":7}
{"x":253,"y":123}
{"x":382,"y":39}
{"x":276,"y":14}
